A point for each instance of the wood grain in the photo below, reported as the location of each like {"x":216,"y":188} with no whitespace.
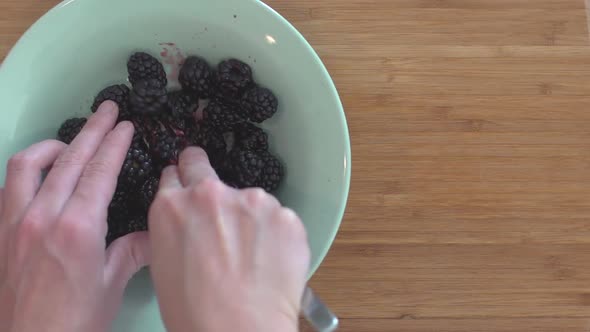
{"x":470,"y":124}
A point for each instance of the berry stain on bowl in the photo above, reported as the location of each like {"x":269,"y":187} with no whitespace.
{"x":173,"y":57}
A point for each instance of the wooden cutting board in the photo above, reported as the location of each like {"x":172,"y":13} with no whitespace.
{"x":470,"y":121}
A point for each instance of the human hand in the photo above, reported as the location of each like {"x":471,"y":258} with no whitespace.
{"x":55,"y":274}
{"x":224,"y":259}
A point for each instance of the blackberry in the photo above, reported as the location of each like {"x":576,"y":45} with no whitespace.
{"x":148,"y":96}
{"x":121,"y":227}
{"x":137,"y":167}
{"x":246,"y":167}
{"x":212,"y":141}
{"x":136,"y":224}
{"x":250,"y":137}
{"x":120,"y":198}
{"x":182,"y":104}
{"x":272,"y":172}
{"x":110,"y":237}
{"x":260,"y":104}
{"x":234,"y":77}
{"x":70,"y":129}
{"x":118,"y":213}
{"x":148,"y":192}
{"x":143,"y":66}
{"x":117,"y":93}
{"x":166,"y":148}
{"x":224,"y":170}
{"x":196,"y":76}
{"x":222,"y":116}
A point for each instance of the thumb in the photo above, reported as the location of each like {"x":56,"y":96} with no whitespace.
{"x":125,"y":257}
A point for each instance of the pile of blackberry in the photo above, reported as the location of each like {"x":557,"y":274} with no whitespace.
{"x":215,"y":109}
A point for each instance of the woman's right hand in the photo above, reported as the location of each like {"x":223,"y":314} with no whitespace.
{"x":224,"y":259}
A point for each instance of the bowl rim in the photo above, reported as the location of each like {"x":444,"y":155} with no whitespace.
{"x":334,"y":96}
{"x":346,"y":135}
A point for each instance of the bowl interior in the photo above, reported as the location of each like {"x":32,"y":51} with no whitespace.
{"x":82,"y":46}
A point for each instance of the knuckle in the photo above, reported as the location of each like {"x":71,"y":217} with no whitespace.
{"x":165,"y":198}
{"x":97,"y":169}
{"x":31,"y":226}
{"x":32,"y":216}
{"x":288,"y":218}
{"x":167,"y":204}
{"x":208,"y":195}
{"x":19,"y":162}
{"x":70,"y":157}
{"x":209,"y":187}
{"x":72,"y":228}
{"x":53,"y":143}
{"x":193,"y":152}
{"x":256,"y":196}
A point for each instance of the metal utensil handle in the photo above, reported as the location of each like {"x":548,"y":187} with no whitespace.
{"x":317,"y":313}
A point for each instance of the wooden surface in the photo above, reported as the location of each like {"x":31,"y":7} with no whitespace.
{"x":470,"y":120}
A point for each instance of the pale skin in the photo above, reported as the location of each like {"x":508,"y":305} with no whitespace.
{"x":221,"y":259}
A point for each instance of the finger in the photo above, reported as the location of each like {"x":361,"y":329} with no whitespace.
{"x":98,"y":181}
{"x":1,"y":201}
{"x":65,"y":173}
{"x":23,"y":175}
{"x":170,"y":178}
{"x":194,"y":167}
{"x":125,"y":257}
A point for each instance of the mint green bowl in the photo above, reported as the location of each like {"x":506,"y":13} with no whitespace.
{"x":82,"y":45}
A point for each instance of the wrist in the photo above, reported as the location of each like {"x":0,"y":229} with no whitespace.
{"x":249,"y":321}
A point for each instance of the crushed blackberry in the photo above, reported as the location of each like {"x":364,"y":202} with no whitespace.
{"x":148,"y":192}
{"x":148,"y":96}
{"x":233,"y":77}
{"x":145,"y":126}
{"x":143,"y":66}
{"x":260,"y":104}
{"x":182,"y":104}
{"x":212,"y":141}
{"x":166,"y":148}
{"x":246,"y":167}
{"x":222,"y":116}
{"x":196,"y":76}
{"x":137,"y":167}
{"x":272,"y":172}
{"x":119,"y":94}
{"x":70,"y":129}
{"x":175,"y":123}
{"x":250,"y":137}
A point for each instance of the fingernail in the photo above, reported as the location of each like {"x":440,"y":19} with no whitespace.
{"x":107,"y":107}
